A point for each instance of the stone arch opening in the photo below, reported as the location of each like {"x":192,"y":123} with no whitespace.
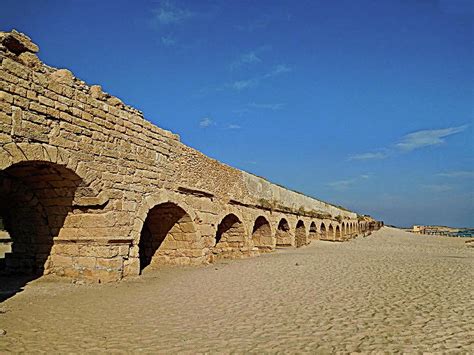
{"x":313,"y":231}
{"x":322,"y":231}
{"x":330,"y":234}
{"x":343,"y":229}
{"x":262,"y":234}
{"x":230,"y":237}
{"x":35,"y":198}
{"x":300,"y":234}
{"x":283,"y":234}
{"x":168,"y":236}
{"x":338,"y":233}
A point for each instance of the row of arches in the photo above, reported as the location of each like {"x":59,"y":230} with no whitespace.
{"x":169,"y":233}
{"x":37,"y":197}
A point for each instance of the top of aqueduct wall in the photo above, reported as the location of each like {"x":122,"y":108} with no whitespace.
{"x":194,"y":170}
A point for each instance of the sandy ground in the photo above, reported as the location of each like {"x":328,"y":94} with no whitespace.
{"x":392,"y":291}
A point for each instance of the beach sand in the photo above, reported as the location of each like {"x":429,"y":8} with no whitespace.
{"x":392,"y":291}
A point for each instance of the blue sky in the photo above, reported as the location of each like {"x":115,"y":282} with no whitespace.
{"x":367,"y":104}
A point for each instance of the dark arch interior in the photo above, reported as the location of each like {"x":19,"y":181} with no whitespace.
{"x":323,"y":231}
{"x":300,"y":235}
{"x":330,"y":232}
{"x":230,"y":237}
{"x":166,"y":229}
{"x":262,"y":234}
{"x":35,"y":198}
{"x":338,"y":233}
{"x":313,"y":231}
{"x":230,"y":230}
{"x":283,"y":235}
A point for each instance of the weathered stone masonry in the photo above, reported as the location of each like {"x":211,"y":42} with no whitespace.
{"x":91,"y":190}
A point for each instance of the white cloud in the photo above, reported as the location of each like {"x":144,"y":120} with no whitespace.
{"x":246,"y":58}
{"x":168,"y":41}
{"x":438,"y":187}
{"x":427,"y":138}
{"x":279,"y":69}
{"x":206,"y":122}
{"x":457,"y":174}
{"x":273,"y":107}
{"x":244,"y":84}
{"x":342,"y":185}
{"x":253,"y":82}
{"x":233,"y":126}
{"x":253,"y":26}
{"x":167,"y":13}
{"x":368,"y":156}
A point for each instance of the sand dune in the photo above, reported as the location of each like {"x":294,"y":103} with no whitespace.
{"x":391,"y":291}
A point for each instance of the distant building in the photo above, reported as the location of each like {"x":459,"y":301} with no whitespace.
{"x":442,"y":230}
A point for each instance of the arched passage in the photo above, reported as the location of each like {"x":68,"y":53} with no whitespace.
{"x":300,"y":234}
{"x":35,"y":198}
{"x":338,"y":233}
{"x":330,"y":234}
{"x":322,"y":231}
{"x":343,"y":229}
{"x":313,"y":231}
{"x":262,"y":234}
{"x":168,"y":236}
{"x":230,"y":237}
{"x":283,"y":235}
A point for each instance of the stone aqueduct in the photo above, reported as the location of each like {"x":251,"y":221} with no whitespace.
{"x":91,"y":190}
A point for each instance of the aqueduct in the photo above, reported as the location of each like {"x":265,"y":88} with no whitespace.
{"x":91,"y":190}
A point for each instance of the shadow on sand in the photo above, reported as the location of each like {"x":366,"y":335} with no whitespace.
{"x":10,"y":285}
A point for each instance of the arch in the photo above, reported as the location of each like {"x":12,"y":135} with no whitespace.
{"x":322,"y":231}
{"x":90,"y":192}
{"x":337,"y":235}
{"x":343,"y":229}
{"x":262,"y":234}
{"x":283,"y":233}
{"x":36,"y":197}
{"x":230,"y":237}
{"x":330,"y":233}
{"x":168,"y":236}
{"x":300,"y":234}
{"x":313,"y":231}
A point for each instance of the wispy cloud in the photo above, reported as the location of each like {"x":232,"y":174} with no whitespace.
{"x":244,"y":84}
{"x":253,"y":25}
{"x":205,"y":122}
{"x":168,"y":14}
{"x":272,"y":107}
{"x":368,"y":156}
{"x":168,"y":40}
{"x":342,"y":185}
{"x":233,"y":126}
{"x":253,"y":82}
{"x":427,"y":138}
{"x":244,"y":59}
{"x":412,"y":141}
{"x":457,"y":174}
{"x":438,"y":187}
{"x":277,"y":70}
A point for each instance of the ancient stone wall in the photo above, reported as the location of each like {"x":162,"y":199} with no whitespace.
{"x":90,"y":189}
